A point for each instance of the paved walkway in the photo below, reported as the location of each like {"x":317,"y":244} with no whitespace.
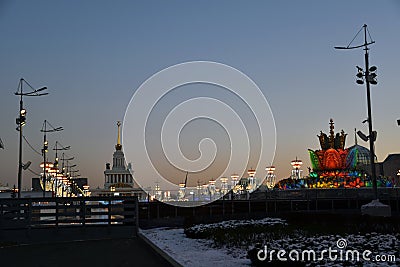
{"x":98,"y":253}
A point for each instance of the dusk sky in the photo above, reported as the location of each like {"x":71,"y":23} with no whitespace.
{"x":93,"y":55}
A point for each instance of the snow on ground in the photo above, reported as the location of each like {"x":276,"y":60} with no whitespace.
{"x":203,"y":252}
{"x":192,"y":252}
{"x":238,"y":223}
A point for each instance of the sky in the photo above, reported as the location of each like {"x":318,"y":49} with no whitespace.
{"x":93,"y":55}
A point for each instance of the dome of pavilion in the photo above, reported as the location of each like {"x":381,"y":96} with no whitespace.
{"x":358,"y":157}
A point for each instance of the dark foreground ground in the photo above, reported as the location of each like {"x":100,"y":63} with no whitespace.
{"x":99,"y":253}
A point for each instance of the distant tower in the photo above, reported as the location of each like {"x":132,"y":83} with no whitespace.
{"x":118,"y":176}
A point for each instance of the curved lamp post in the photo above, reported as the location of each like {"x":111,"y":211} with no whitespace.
{"x":58,"y":147}
{"x":45,"y":130}
{"x":21,"y":121}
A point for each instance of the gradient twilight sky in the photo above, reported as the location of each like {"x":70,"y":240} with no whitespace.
{"x":92,"y":55}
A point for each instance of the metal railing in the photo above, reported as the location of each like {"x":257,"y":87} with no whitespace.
{"x":28,"y":213}
{"x":275,"y":202}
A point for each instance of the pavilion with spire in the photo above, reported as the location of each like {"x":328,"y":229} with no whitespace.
{"x":118,"y":179}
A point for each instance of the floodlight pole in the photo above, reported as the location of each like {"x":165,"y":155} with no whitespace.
{"x":20,"y":145}
{"x":371,"y":137}
{"x":368,"y":78}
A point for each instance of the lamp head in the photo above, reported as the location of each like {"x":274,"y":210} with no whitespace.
{"x":362,"y":136}
{"x":26,"y":165}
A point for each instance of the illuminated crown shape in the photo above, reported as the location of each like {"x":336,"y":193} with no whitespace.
{"x":336,"y":142}
{"x":332,"y":155}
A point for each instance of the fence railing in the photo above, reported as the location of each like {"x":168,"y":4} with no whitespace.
{"x":60,"y":212}
{"x":276,"y":202}
{"x":333,"y":193}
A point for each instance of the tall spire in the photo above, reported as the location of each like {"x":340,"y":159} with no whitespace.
{"x":118,"y":146}
{"x":331,"y":133}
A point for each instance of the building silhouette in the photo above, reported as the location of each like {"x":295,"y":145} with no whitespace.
{"x":118,"y":179}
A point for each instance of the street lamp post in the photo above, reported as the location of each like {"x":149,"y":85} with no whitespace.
{"x":64,"y":172}
{"x":44,"y":130}
{"x":21,"y":121}
{"x":58,"y":147}
{"x":370,"y":78}
{"x":69,"y":182}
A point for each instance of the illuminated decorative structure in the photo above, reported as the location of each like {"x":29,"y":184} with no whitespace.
{"x":182,"y":191}
{"x":296,"y":171}
{"x":252,"y":182}
{"x":332,"y":155}
{"x":48,"y":172}
{"x":167,"y":195}
{"x":333,"y":166}
{"x":234,"y":181}
{"x":224,"y":185}
{"x":198,"y":187}
{"x":211,"y":188}
{"x":86,"y":191}
{"x":205,"y":193}
{"x":158,"y":193}
{"x":270,"y":180}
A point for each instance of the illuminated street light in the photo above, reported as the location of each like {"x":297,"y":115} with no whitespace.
{"x":21,"y":121}
{"x":45,"y":130}
{"x":182,"y":189}
{"x":58,"y":147}
{"x":369,"y":76}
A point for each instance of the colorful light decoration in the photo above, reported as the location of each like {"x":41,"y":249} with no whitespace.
{"x":334,"y":166}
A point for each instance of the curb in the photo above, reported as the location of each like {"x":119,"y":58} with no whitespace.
{"x":162,"y":253}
